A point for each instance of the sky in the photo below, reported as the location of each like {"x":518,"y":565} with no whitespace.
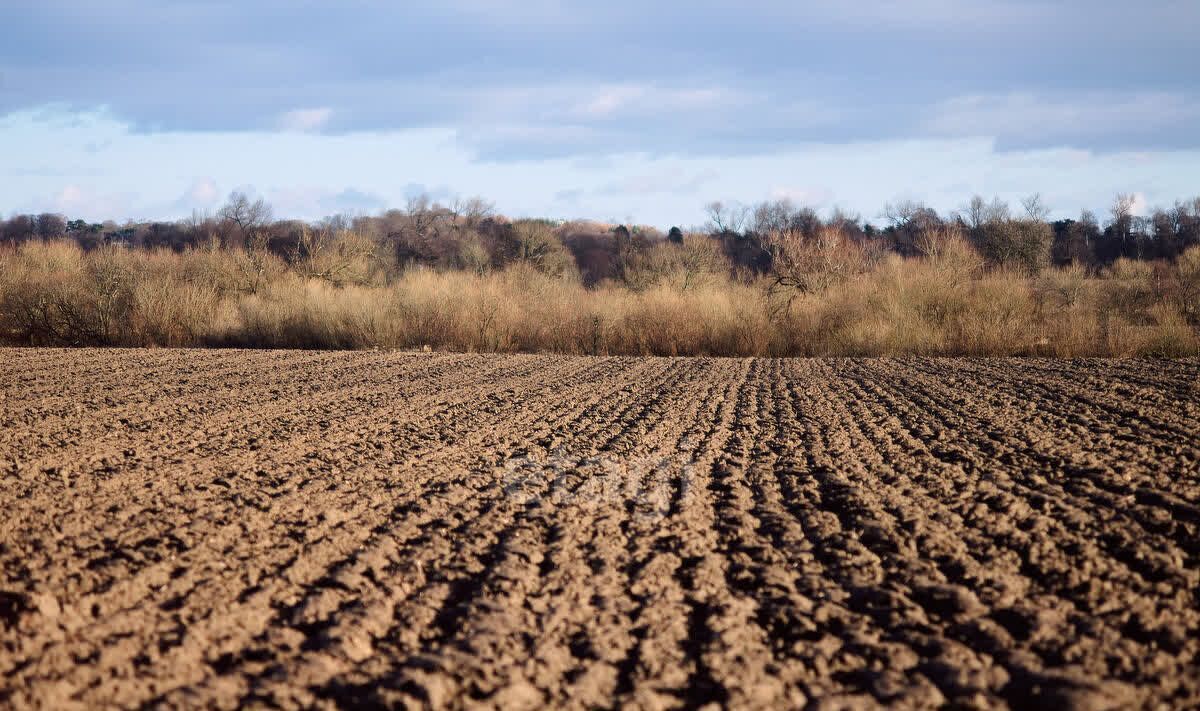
{"x":619,"y":110}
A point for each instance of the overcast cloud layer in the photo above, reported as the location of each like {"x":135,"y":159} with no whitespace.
{"x":541,"y":82}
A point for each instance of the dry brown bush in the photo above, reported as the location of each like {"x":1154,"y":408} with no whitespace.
{"x":1186,"y":292}
{"x":1022,"y":244}
{"x":694,"y":263}
{"x":339,"y":257}
{"x":811,"y":262}
{"x":945,"y":302}
{"x":539,"y":247}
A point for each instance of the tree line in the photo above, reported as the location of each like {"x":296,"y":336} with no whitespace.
{"x":774,"y":237}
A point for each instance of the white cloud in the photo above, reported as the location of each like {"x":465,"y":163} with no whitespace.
{"x":202,"y":193}
{"x":382,"y":167}
{"x":74,"y":201}
{"x":1025,"y":116}
{"x":930,"y":14}
{"x":720,"y":79}
{"x":814,"y":196}
{"x":672,"y":180}
{"x":608,"y":101}
{"x":305,"y":120}
{"x":1140,"y":206}
{"x":313,"y":201}
{"x":70,"y":198}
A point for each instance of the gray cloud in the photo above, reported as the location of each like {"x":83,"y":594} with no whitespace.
{"x":352,"y":201}
{"x":547,"y":78}
{"x":1021,"y":120}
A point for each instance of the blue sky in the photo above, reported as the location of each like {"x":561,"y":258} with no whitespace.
{"x":621,"y":110}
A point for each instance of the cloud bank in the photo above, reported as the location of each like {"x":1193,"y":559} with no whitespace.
{"x":526,"y":80}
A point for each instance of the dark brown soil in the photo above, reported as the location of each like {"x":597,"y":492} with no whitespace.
{"x":224,"y":528}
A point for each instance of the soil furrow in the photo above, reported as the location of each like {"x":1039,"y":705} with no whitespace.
{"x":229,"y":529}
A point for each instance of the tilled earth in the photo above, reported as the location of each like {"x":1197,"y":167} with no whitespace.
{"x":225,"y":528}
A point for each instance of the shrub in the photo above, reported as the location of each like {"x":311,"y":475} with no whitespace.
{"x":169,"y":312}
{"x":680,"y":300}
{"x":1129,"y":290}
{"x":811,"y":262}
{"x":338,"y":256}
{"x":693,"y":262}
{"x":538,"y":246}
{"x":54,"y":295}
{"x":1171,"y":336}
{"x":1021,"y":244}
{"x":298,"y":313}
{"x":1186,"y":296}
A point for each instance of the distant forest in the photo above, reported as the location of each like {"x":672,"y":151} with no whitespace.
{"x":471,"y":235}
{"x":768,"y":279}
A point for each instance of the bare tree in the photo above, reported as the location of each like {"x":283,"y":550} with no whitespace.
{"x":1122,"y":214}
{"x":1079,"y":246}
{"x":700,"y":257}
{"x":776,"y":217}
{"x":51,"y":226}
{"x":1087,"y":218}
{"x":1187,"y":222}
{"x":424,"y":216}
{"x":201,"y":229}
{"x":979,"y":212}
{"x":849,"y":223}
{"x":908,"y":220}
{"x":903,"y":213}
{"x":726,"y":218}
{"x":249,"y":219}
{"x":416,"y":232}
{"x":20,"y":228}
{"x":1035,"y":207}
{"x":806,"y":264}
{"x":472,"y":210}
{"x":972,"y":215}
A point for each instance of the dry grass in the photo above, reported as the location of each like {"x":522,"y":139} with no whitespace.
{"x":945,"y":303}
{"x":950,"y":306}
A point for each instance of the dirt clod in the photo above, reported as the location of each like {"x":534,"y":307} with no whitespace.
{"x":307,"y":529}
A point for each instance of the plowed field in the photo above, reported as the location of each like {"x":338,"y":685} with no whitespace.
{"x":225,"y":528}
